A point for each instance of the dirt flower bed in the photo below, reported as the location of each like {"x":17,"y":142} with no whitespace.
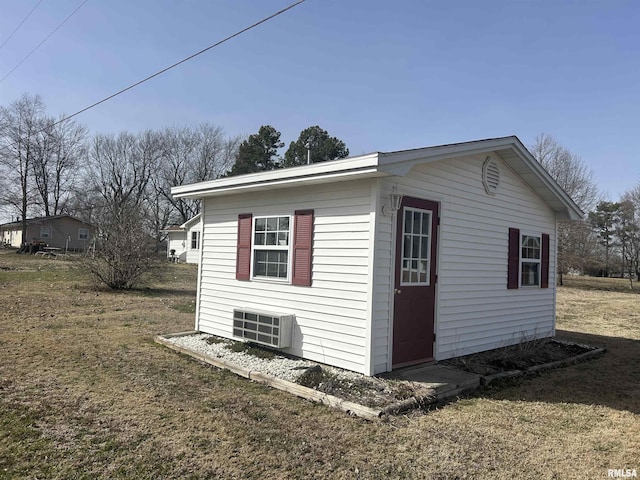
{"x":378,"y":391}
{"x":519,"y":357}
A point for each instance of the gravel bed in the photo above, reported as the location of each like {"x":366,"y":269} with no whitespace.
{"x":279,"y":366}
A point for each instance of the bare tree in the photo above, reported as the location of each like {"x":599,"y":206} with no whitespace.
{"x":58,"y":150}
{"x":568,"y":170}
{"x":192,"y":155}
{"x":121,"y":167}
{"x":120,"y":175}
{"x":576,"y":179}
{"x":630,"y":232}
{"x":176,"y":168}
{"x":19,"y":125}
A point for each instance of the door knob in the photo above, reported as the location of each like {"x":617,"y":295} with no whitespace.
{"x":397,"y":291}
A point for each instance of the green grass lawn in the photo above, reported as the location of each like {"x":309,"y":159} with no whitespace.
{"x":86,"y":393}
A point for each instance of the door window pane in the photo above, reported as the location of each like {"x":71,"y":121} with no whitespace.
{"x":416,"y":246}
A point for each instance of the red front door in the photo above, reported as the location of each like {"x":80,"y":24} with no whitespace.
{"x":415,"y":282}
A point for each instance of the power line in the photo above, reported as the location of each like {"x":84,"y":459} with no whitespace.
{"x":18,"y":27}
{"x":220,"y":42}
{"x":44,"y":40}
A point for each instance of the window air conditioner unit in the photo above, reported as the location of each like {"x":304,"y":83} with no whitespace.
{"x":272,"y":330}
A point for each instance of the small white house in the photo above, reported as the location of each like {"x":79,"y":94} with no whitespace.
{"x":384,"y":260}
{"x":183,"y":242}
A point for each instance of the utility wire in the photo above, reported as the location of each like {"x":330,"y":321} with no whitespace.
{"x":220,"y":42}
{"x":44,"y":40}
{"x":18,"y":27}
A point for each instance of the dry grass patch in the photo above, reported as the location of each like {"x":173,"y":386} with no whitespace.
{"x":85,"y":393}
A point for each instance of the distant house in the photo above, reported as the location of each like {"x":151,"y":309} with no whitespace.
{"x":384,"y":260}
{"x":61,"y":231}
{"x":183,"y":242}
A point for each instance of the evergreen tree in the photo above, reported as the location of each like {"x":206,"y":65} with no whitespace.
{"x":322,"y":147}
{"x":604,"y":221}
{"x":258,"y":152}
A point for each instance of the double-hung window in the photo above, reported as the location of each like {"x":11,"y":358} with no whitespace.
{"x":83,"y":234}
{"x":271,"y":239}
{"x":45,"y":232}
{"x":277,"y":247}
{"x":530,"y":257}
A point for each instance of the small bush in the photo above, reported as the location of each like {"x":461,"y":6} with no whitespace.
{"x":124,"y":251}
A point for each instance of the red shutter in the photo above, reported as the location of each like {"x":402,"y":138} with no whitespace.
{"x":302,"y":247}
{"x":544,"y":267}
{"x":243,"y":256}
{"x":513,"y":268}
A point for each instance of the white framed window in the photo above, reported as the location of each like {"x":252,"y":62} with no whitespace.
{"x":271,"y":248}
{"x":83,"y":234}
{"x":530,"y":260}
{"x":45,"y":232}
{"x":195,"y":240}
{"x":416,"y":247}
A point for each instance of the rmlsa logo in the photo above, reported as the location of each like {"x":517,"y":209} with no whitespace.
{"x":622,"y":473}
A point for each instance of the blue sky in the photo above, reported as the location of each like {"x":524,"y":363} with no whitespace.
{"x":380,"y":75}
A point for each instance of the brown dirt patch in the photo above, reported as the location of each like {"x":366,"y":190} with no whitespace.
{"x":519,"y":357}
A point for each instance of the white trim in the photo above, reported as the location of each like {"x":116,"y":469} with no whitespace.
{"x":525,"y":233}
{"x":392,"y":287}
{"x":192,"y":221}
{"x":429,"y":237}
{"x":510,"y":150}
{"x":554,"y":272}
{"x":369,"y":357}
{"x":288,"y":248}
{"x":200,"y":263}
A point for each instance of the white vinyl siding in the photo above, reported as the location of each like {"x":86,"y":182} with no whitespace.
{"x":331,"y":316}
{"x":474,"y":309}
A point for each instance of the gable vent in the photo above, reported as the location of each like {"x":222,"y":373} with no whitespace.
{"x":272,"y":330}
{"x":491,"y":176}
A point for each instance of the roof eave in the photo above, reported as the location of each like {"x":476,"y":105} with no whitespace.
{"x":400,"y":163}
{"x":563,"y":206}
{"x":326,"y":172}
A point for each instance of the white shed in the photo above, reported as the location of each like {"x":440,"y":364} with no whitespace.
{"x":183,"y":242}
{"x":384,"y":260}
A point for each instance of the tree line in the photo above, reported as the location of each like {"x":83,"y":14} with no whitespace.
{"x":50,"y":167}
{"x":121,"y":183}
{"x":606,"y":242}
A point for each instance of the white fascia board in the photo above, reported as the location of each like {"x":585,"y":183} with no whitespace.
{"x":192,"y":221}
{"x":523,"y":163}
{"x":324,"y":172}
{"x":401,"y":162}
{"x":571,"y":211}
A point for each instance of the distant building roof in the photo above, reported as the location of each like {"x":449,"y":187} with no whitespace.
{"x":41,"y":219}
